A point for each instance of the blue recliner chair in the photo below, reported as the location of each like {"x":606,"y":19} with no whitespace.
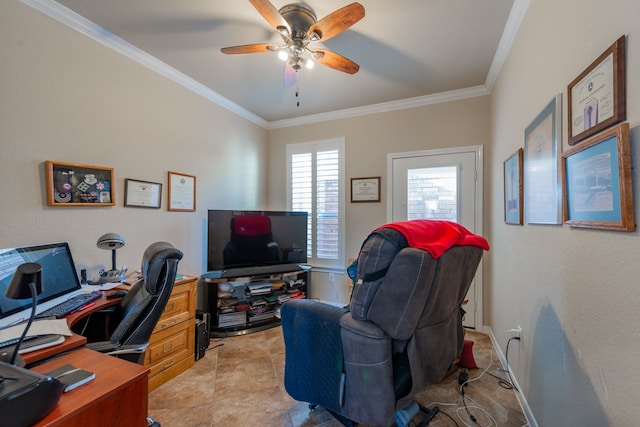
{"x":401,"y":332}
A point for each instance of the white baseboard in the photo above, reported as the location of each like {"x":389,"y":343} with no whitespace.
{"x":524,"y":405}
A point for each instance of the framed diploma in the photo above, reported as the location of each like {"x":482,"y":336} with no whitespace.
{"x":597,"y":97}
{"x":142,"y":194}
{"x":182,"y":192}
{"x":365,"y":189}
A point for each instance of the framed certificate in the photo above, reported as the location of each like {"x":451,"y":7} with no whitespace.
{"x":142,"y":194}
{"x":182,"y":192}
{"x":365,"y":189}
{"x":597,"y":97}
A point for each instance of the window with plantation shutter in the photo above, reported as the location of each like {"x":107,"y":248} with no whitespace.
{"x":315,"y":181}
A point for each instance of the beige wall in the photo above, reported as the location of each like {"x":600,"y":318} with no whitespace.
{"x":575,"y":292}
{"x":368,"y":140}
{"x":67,"y":98}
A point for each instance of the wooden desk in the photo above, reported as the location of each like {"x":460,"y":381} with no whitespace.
{"x":116,"y":397}
{"x":75,"y":340}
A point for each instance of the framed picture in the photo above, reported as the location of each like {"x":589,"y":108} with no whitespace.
{"x":597,"y":182}
{"x":542,"y":187}
{"x":142,"y":194}
{"x":182,"y":192}
{"x":74,"y":184}
{"x":597,"y":97}
{"x":513,"y":188}
{"x":365,"y":189}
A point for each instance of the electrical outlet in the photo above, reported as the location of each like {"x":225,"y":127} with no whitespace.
{"x":516,"y":332}
{"x":332,"y":278}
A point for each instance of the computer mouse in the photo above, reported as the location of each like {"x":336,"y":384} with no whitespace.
{"x":117,"y":294}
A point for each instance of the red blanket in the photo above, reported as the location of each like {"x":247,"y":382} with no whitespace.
{"x":435,"y":236}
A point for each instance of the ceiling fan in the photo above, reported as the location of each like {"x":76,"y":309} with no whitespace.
{"x":298,"y":27}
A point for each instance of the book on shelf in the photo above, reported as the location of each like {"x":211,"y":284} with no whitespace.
{"x":227,"y":320}
{"x":71,"y":376}
{"x":256,"y":317}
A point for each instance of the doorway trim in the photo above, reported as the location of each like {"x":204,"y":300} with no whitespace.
{"x":478,"y":211}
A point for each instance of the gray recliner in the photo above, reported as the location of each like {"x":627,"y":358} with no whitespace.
{"x":401,"y":332}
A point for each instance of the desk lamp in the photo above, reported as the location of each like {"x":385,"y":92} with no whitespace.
{"x":113,"y":242}
{"x":26,"y":282}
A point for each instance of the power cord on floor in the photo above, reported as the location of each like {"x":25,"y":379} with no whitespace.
{"x":220,"y":344}
{"x":463,"y":381}
{"x":471,"y":416}
{"x":502,"y":382}
{"x":508,"y":369}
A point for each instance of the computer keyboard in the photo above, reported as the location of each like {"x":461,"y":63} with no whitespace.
{"x":70,"y":305}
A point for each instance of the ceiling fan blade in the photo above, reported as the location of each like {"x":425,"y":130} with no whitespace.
{"x":251,"y":48}
{"x":290,"y":75}
{"x":270,"y":13}
{"x":337,"y":21}
{"x":335,"y":61}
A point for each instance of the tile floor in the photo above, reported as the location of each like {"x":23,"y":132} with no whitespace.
{"x":239,"y":382}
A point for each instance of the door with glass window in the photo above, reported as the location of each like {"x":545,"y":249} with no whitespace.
{"x":442,"y":185}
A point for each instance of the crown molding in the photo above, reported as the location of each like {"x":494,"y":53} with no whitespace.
{"x":516,"y":15}
{"x":383,"y":107}
{"x":78,"y":22}
{"x":73,"y":20}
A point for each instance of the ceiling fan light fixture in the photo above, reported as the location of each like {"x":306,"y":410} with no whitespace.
{"x":298,"y":26}
{"x":308,"y":64}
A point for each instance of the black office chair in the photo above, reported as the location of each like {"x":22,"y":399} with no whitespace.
{"x":134,"y":319}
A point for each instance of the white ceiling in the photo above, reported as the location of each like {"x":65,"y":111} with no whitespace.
{"x":409,"y":51}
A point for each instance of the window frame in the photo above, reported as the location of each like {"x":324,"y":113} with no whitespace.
{"x":314,"y":147}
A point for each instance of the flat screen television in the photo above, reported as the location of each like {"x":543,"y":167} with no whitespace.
{"x":238,"y":239}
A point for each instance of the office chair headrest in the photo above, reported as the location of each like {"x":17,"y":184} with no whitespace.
{"x":153,"y":261}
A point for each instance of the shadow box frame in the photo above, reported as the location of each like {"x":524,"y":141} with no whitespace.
{"x":599,"y":89}
{"x":602,"y":161}
{"x":514,"y":188}
{"x":65,"y":189}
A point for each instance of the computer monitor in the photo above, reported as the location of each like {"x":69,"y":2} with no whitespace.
{"x":59,"y":279}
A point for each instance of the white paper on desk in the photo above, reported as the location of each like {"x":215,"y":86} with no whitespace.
{"x":38,"y":327}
